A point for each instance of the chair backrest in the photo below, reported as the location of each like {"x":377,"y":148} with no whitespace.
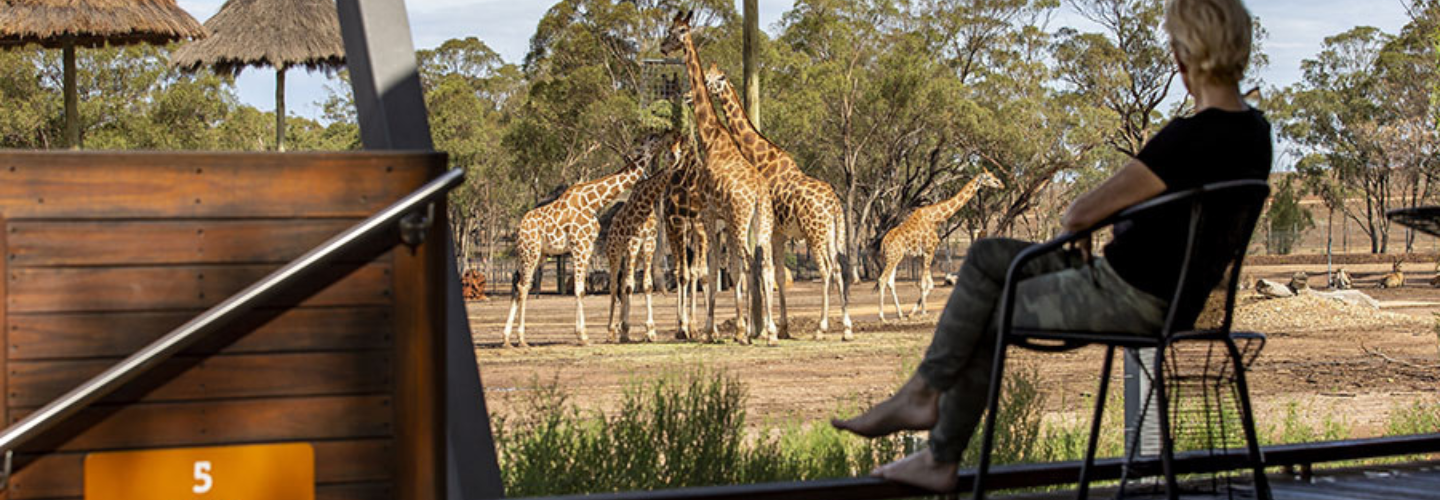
{"x":1222,"y":219}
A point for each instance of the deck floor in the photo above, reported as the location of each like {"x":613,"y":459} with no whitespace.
{"x":1375,"y":483}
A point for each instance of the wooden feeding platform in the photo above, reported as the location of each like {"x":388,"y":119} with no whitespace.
{"x":106,"y":252}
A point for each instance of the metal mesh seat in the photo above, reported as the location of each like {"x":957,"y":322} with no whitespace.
{"x":1197,"y":374}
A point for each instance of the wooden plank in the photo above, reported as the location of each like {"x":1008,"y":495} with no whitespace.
{"x":158,"y":288}
{"x":219,"y":423}
{"x":187,"y":378}
{"x":60,"y":475}
{"x":115,"y":335}
{"x":93,"y":243}
{"x":115,"y":185}
{"x":420,"y":366}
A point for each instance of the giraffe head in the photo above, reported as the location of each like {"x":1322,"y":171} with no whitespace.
{"x":679,"y":29}
{"x":715,"y":81}
{"x":989,"y":180}
{"x":646,"y":149}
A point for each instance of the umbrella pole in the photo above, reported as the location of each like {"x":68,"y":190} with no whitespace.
{"x":72,"y":101}
{"x":280,"y":108}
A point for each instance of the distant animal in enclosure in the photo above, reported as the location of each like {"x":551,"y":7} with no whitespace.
{"x":737,"y":193}
{"x":629,"y":241}
{"x":1299,"y":281}
{"x":685,"y":233}
{"x":1342,"y":280}
{"x":569,"y":225}
{"x":805,"y":207}
{"x":1395,"y":278}
{"x":918,"y":235}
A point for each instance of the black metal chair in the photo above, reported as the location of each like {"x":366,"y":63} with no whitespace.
{"x":1201,"y":309}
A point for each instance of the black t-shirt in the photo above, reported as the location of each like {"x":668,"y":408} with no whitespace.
{"x":1212,"y":146}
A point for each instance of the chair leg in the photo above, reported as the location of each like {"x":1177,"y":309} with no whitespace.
{"x":1090,"y":448}
{"x":1167,"y":441}
{"x":987,"y":440}
{"x":1247,"y":420}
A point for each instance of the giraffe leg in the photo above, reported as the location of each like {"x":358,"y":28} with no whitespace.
{"x":926,"y":284}
{"x":712,"y":290}
{"x":886,"y":279}
{"x":528,"y":262}
{"x":894,"y":292}
{"x":649,"y":287}
{"x":626,"y":291}
{"x":848,"y":332}
{"x":613,"y":324}
{"x":777,"y":254}
{"x":740,"y":261}
{"x":767,"y":289}
{"x":581,"y":260}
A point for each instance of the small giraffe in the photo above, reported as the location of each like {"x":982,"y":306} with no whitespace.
{"x":568,"y":225}
{"x":685,"y":233}
{"x":630,"y":238}
{"x":804,"y":206}
{"x":734,"y":189}
{"x":918,"y":236}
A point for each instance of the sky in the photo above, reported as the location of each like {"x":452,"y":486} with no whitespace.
{"x":1297,"y":28}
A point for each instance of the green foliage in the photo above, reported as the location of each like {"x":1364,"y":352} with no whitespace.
{"x":1287,"y":218}
{"x":1420,"y":417}
{"x":690,"y":429}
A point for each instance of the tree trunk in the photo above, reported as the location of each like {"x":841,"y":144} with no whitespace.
{"x":280,"y":108}
{"x":752,"y":62}
{"x":72,"y":98}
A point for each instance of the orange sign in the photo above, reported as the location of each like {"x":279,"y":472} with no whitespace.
{"x":250,"y":472}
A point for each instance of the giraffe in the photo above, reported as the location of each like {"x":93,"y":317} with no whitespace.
{"x":630,"y":238}
{"x":685,"y":233}
{"x":734,"y":190}
{"x":917,"y":236}
{"x":568,"y":225}
{"x":804,"y":206}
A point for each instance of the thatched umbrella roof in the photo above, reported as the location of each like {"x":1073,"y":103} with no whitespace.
{"x":94,"y":22}
{"x":276,"y":33}
{"x":67,"y":24}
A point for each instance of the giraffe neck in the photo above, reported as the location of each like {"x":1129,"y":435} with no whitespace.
{"x":943,"y":210}
{"x":713,"y":135}
{"x":601,"y":192}
{"x":753,"y":145}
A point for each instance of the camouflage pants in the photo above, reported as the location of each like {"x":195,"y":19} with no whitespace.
{"x":1059,"y":291}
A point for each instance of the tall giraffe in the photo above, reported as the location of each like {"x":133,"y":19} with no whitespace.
{"x":734,"y":189}
{"x":685,"y":233}
{"x":629,"y":239}
{"x":568,"y":225}
{"x":918,"y":236}
{"x":804,"y":206}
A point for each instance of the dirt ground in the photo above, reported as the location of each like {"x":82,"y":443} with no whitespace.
{"x":1328,"y":368}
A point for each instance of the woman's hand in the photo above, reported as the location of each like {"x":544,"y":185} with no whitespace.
{"x":1133,"y":184}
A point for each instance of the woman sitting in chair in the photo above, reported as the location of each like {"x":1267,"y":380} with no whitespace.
{"x":1127,"y":290}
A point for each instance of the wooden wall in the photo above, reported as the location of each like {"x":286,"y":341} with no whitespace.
{"x":105,"y":252}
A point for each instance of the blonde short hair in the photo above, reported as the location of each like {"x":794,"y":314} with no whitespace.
{"x":1212,"y":37}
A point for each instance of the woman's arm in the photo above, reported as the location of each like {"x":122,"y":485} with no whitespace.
{"x":1133,"y":184}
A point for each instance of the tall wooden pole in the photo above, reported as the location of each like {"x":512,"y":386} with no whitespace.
{"x":280,"y":107}
{"x":72,"y":99}
{"x":752,"y":61}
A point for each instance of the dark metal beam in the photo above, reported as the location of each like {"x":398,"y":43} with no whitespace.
{"x":390,"y":105}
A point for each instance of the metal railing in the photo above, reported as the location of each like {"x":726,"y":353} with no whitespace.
{"x":1009,"y":477}
{"x":403,"y":221}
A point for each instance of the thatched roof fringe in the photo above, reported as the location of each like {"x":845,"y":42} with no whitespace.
{"x":267,"y":33}
{"x":95,"y":22}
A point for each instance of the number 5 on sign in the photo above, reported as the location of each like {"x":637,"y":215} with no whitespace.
{"x":251,"y":472}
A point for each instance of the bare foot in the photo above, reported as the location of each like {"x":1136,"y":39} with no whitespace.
{"x":921,"y":469}
{"x":914,"y":407}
